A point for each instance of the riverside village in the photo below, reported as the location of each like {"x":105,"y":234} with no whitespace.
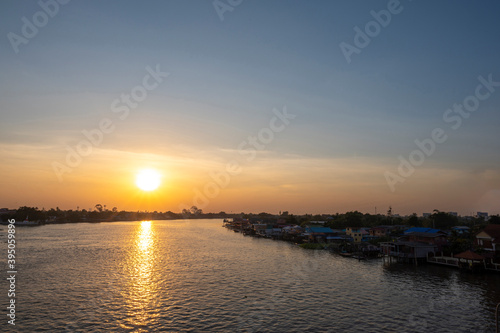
{"x":470,"y":243}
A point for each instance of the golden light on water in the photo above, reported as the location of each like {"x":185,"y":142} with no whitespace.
{"x":143,"y":260}
{"x":142,"y":286}
{"x":145,"y":238}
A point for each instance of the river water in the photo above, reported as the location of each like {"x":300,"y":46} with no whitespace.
{"x":170,"y":276}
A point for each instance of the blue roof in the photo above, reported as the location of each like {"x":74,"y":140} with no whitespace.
{"x":417,"y":229}
{"x":319,"y":229}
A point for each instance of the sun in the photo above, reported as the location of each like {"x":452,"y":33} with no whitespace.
{"x":148,"y":180}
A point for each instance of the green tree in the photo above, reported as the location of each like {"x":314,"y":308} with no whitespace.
{"x":196,"y":211}
{"x":494,"y":219}
{"x":354,"y":219}
{"x":414,"y":221}
{"x":442,"y":220}
{"x":291,"y":219}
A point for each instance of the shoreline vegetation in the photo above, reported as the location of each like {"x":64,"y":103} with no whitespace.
{"x":101,"y":213}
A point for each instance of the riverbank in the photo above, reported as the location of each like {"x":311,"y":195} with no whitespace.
{"x":398,"y":251}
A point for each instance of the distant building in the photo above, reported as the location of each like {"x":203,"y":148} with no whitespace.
{"x":426,"y":215}
{"x":421,"y":229}
{"x":453,"y":213}
{"x":6,"y":211}
{"x":483,"y":215}
{"x":461,"y":229}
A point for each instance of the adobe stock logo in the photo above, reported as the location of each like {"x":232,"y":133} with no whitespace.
{"x":363,"y":38}
{"x":454,"y":118}
{"x":40,"y":19}
{"x":222,"y":6}
{"x":120,"y":107}
{"x":247,"y":148}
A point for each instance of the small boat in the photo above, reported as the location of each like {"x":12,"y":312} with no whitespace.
{"x":359,"y":257}
{"x":27,"y":222}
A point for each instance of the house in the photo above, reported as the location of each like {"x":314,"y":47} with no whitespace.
{"x":407,"y":251}
{"x":318,"y":234}
{"x":489,"y":238}
{"x":380,"y":231}
{"x":461,"y":229}
{"x":471,"y":261}
{"x":357,"y":234}
{"x":435,"y":238}
{"x":275,"y":233}
{"x":429,"y":236}
{"x":260,"y":229}
{"x":292,"y":233}
{"x":421,"y":229}
{"x":416,"y":244}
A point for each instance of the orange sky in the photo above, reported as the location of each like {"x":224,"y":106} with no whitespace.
{"x":267,"y":183}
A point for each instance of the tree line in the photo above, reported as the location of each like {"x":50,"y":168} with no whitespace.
{"x":99,"y":213}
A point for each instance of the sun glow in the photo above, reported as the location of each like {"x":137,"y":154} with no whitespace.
{"x":148,"y":180}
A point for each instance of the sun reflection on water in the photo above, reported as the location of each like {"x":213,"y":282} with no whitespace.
{"x":142,"y":286}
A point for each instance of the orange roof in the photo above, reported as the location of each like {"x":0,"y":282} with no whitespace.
{"x":493,"y":230}
{"x":469,"y":255}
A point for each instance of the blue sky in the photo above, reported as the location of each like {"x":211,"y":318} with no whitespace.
{"x":226,"y":77}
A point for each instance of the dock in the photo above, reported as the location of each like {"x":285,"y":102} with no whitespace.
{"x":467,"y":261}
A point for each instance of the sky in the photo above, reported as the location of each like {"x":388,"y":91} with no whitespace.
{"x":251,"y":105}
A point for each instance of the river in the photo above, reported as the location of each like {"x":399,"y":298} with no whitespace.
{"x":170,"y":276}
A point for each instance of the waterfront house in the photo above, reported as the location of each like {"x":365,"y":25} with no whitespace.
{"x":260,"y":229}
{"x":426,"y":235}
{"x":489,"y":238}
{"x":433,"y":238}
{"x":407,"y":251}
{"x":318,"y":234}
{"x":471,"y":261}
{"x":292,"y":233}
{"x":276,"y":233}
